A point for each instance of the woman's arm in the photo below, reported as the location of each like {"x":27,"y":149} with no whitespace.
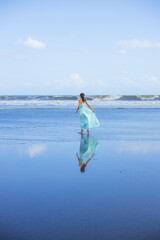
{"x":89,"y":106}
{"x":78,"y":106}
{"x":79,"y":160}
{"x":90,"y":159}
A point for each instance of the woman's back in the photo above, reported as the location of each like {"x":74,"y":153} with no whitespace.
{"x":84,"y":103}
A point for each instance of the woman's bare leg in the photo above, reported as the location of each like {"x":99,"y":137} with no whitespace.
{"x":87,"y":131}
{"x":81,"y":131}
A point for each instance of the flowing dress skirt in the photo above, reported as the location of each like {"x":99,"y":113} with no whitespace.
{"x":88,"y":118}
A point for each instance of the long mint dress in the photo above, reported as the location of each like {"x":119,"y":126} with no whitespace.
{"x":88,"y":118}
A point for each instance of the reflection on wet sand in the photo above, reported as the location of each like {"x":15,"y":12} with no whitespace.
{"x":88,"y":147}
{"x":138,"y":147}
{"x":35,"y":149}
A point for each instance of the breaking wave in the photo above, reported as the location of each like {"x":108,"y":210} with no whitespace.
{"x":63,"y":100}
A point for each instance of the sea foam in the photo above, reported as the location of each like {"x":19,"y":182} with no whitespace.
{"x":69,"y":100}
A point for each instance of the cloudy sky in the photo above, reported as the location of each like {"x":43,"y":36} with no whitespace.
{"x":67,"y":47}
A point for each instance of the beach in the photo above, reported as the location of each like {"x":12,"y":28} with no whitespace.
{"x":44,"y":195}
{"x":73,"y":67}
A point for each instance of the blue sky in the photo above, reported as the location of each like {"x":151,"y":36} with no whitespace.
{"x":68,"y":47}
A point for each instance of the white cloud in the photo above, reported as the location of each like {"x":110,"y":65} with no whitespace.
{"x":122,"y":51}
{"x":74,"y":80}
{"x":30,"y":42}
{"x":75,"y":77}
{"x":150,"y":79}
{"x":75,"y":83}
{"x":35,"y":149}
{"x":138,"y":147}
{"x":142,"y":84}
{"x":147,"y":81}
{"x":135,"y":43}
{"x":146,"y":84}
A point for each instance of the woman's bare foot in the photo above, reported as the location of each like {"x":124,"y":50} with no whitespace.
{"x":87,"y":131}
{"x":81,"y":131}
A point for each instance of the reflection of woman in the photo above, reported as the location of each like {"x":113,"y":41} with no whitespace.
{"x":88,"y":148}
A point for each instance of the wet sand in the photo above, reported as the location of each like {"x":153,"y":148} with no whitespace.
{"x":45,"y":195}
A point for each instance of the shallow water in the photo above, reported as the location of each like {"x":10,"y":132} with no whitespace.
{"x":44,"y":195}
{"x":62,"y":124}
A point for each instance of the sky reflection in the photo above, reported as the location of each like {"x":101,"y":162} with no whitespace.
{"x":138,"y":147}
{"x":35,"y":149}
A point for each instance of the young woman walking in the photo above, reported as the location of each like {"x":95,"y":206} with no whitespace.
{"x":88,"y":117}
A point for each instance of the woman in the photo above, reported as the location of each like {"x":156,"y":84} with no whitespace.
{"x":88,"y":118}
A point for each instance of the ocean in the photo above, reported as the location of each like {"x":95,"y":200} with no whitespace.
{"x":150,"y":101}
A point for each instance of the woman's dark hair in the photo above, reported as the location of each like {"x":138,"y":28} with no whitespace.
{"x":83,"y":168}
{"x":83,"y":97}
